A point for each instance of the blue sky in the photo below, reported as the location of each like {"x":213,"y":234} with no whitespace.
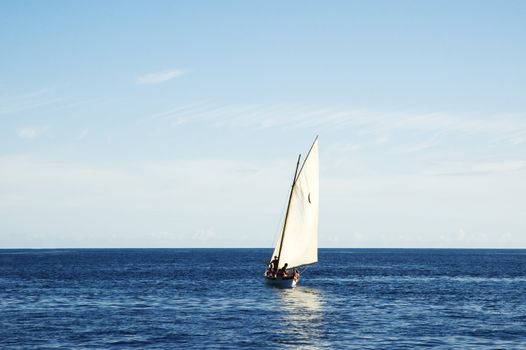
{"x":177,"y":124}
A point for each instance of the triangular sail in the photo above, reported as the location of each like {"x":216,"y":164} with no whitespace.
{"x":300,"y":237}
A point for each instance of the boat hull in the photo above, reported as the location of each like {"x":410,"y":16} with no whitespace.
{"x":281,"y":282}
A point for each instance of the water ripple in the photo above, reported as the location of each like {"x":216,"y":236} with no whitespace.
{"x":363,"y":299}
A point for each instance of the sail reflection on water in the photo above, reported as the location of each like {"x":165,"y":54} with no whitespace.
{"x":303,"y":320}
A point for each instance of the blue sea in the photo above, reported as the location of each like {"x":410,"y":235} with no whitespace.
{"x":216,"y":299}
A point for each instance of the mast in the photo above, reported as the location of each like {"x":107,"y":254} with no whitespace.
{"x":288,"y":207}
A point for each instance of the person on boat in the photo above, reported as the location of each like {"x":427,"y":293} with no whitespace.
{"x":296,"y":275}
{"x":283,"y":272}
{"x":274,"y":264}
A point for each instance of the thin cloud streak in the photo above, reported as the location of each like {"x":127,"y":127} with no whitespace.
{"x":508,"y":128}
{"x":83,"y":133}
{"x":478,"y":167}
{"x":424,"y":145}
{"x":29,"y":101}
{"x":32,"y":132}
{"x":159,"y":77}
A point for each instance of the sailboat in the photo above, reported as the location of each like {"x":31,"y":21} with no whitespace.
{"x":297,"y":244}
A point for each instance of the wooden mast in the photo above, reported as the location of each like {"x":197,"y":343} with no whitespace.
{"x":288,"y":207}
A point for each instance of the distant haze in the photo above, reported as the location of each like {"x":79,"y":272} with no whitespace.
{"x":178,"y":124}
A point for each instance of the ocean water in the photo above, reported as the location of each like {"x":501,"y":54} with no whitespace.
{"x":216,"y":299}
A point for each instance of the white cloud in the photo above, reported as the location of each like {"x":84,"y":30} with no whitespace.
{"x":419,"y":146}
{"x":196,"y":199}
{"x":84,"y":133}
{"x":32,"y":132}
{"x":476,"y":167}
{"x":213,"y":202}
{"x":204,"y":234}
{"x":41,"y":99}
{"x":159,"y":77}
{"x":376,"y":124}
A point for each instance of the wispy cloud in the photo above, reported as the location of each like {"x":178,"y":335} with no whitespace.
{"x":418,"y":146}
{"x":478,"y":167}
{"x":377,"y":125}
{"x":32,"y":100}
{"x":159,"y":77}
{"x":84,"y":133}
{"x":32,"y":132}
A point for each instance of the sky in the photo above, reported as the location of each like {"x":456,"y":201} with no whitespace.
{"x":178,"y":123}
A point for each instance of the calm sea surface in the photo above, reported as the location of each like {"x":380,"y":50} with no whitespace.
{"x":216,"y":298}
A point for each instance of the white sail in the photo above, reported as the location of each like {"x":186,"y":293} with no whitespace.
{"x":299,"y":239}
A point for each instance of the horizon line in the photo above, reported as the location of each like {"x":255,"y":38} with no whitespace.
{"x":332,"y":248}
